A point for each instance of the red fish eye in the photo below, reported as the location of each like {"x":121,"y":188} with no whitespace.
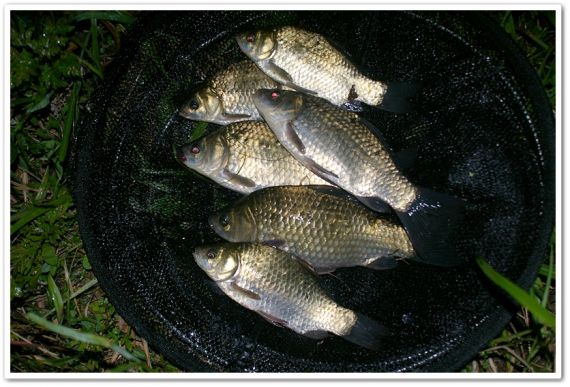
{"x":195,"y":149}
{"x":250,"y":38}
{"x":274,"y":95}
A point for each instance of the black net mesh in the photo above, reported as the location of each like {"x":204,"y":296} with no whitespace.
{"x":483,"y":130}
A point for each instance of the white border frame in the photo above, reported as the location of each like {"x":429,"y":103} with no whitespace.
{"x":260,"y":5}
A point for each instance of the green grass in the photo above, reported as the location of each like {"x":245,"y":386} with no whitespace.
{"x":61,"y":320}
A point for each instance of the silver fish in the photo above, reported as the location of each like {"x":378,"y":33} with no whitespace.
{"x":323,"y":226}
{"x":276,"y":286}
{"x":307,"y":62}
{"x":227,"y":97}
{"x":244,"y":157}
{"x":343,"y":149}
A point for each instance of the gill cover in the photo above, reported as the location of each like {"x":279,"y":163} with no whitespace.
{"x":235,"y":224}
{"x":218,"y":263}
{"x":204,"y":106}
{"x":258,"y":45}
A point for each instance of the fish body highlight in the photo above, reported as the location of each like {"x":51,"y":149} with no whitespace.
{"x":276,"y":286}
{"x":343,"y":149}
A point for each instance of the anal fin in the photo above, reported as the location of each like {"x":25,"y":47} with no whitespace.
{"x":375,"y":204}
{"x":383,"y":263}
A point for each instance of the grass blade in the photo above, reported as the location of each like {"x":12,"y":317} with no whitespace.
{"x":550,"y":273}
{"x":95,"y":46}
{"x":42,"y":104}
{"x":87,"y":338}
{"x":75,"y":294}
{"x":26,"y":216}
{"x":521,"y":296}
{"x":56,"y":298}
{"x":70,"y":118}
{"x":116,"y":16}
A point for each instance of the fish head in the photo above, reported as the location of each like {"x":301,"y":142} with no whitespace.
{"x":220,"y":262}
{"x":257,"y":45}
{"x":236,"y":224}
{"x":208,"y":155}
{"x":278,"y":107}
{"x":205,"y":105}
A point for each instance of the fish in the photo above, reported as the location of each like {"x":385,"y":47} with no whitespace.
{"x":323,"y":226}
{"x":348,"y":152}
{"x":245,"y":156}
{"x":305,"y":61}
{"x":227,"y":96}
{"x":276,"y":286}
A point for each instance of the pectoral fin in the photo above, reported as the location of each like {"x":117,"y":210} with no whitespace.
{"x":294,"y":139}
{"x":237,"y":179}
{"x":277,"y":243}
{"x":324,"y":270}
{"x":317,"y":335}
{"x":236,"y":117}
{"x":284,"y":77}
{"x":272,"y":319}
{"x":245,"y":292}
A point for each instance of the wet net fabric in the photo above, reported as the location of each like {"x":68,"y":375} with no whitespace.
{"x":482,"y":130}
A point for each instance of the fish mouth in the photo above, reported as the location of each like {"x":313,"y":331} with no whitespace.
{"x":247,"y":47}
{"x":184,"y":155}
{"x":218,"y":229}
{"x":199,"y":255}
{"x":188,"y":114}
{"x":180,"y":155}
{"x":214,"y":225}
{"x":241,"y":41}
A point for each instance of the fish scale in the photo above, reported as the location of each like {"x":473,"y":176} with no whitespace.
{"x":352,"y":145}
{"x":228,"y":95}
{"x":236,"y":85}
{"x":348,"y":152}
{"x":286,"y":291}
{"x":336,"y":75}
{"x":273,"y":284}
{"x":322,"y":226}
{"x":252,"y":159}
{"x":306,"y":60}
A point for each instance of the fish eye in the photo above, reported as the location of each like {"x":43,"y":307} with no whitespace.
{"x":211,"y":254}
{"x":193,"y":104}
{"x":275,"y":95}
{"x":250,"y":38}
{"x":195,"y":149}
{"x":225,"y":221}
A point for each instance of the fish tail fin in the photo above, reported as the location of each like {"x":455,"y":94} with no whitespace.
{"x":398,"y":97}
{"x":367,"y":333}
{"x":429,"y":222}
